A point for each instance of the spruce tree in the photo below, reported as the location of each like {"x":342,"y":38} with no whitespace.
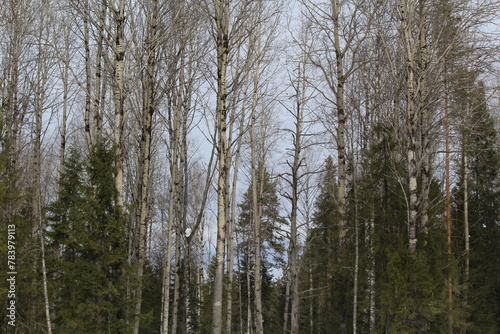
{"x":272,"y":248}
{"x":87,"y":236}
{"x":481,"y":291}
{"x":321,"y":250}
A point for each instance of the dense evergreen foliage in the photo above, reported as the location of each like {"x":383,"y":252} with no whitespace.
{"x":87,"y":244}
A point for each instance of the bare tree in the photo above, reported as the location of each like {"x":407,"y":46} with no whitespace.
{"x":222,"y":45}
{"x":144,"y":163}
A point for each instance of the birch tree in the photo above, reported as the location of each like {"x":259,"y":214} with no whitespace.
{"x":294,"y":177}
{"x":118,"y":11}
{"x":144,"y":163}
{"x":43,"y":68}
{"x":222,"y":47}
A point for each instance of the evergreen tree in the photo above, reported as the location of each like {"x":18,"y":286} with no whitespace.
{"x":271,"y":251}
{"x":88,"y":239}
{"x":409,"y":292}
{"x":321,"y":251}
{"x":480,"y":147}
{"x":270,"y":213}
{"x":16,"y":221}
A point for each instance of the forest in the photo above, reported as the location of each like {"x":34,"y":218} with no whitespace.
{"x":250,"y":166}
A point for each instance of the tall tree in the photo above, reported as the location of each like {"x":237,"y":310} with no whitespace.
{"x":87,"y":238}
{"x":222,"y":48}
{"x":478,"y":199}
{"x":267,"y":207}
{"x":144,"y":163}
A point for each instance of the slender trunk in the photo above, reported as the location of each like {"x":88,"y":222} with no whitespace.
{"x":448,"y":211}
{"x":144,"y":162}
{"x":168,"y":252}
{"x":177,"y":282}
{"x":297,"y":158}
{"x":465,"y":162}
{"x":230,"y":239}
{"x":356,"y":266}
{"x":240,"y":291}
{"x":183,"y":204}
{"x":408,"y":11}
{"x":96,"y":121}
{"x":174,"y":210}
{"x":37,"y":213}
{"x":311,"y":302}
{"x":119,"y":96}
{"x":466,"y":227}
{"x":371,"y":272}
{"x":44,"y":282}
{"x":88,"y":77}
{"x":257,"y":183}
{"x":424,"y":116}
{"x":466,"y":218}
{"x":287,"y":301}
{"x":341,"y":151}
{"x":41,"y":80}
{"x":222,"y":22}
{"x":341,"y":119}
{"x":177,"y":196}
{"x":62,"y":146}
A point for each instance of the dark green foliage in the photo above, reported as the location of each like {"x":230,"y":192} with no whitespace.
{"x":151,"y":300}
{"x":410,"y":288}
{"x":329,"y":265}
{"x":481,"y":294}
{"x":15,"y":211}
{"x":87,"y":238}
{"x":270,"y":219}
{"x":272,"y":251}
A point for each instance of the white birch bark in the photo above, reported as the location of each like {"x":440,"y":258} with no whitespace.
{"x":119,"y":94}
{"x":408,"y":14}
{"x":88,"y":76}
{"x":371,"y":273}
{"x":99,"y":88}
{"x":222,"y":43}
{"x":40,"y":94}
{"x":424,"y":127}
{"x":341,"y":119}
{"x":144,"y":162}
{"x":232,"y":219}
{"x":256,"y":168}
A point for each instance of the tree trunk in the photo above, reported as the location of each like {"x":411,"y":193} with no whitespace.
{"x":65,"y":82}
{"x":256,"y":168}
{"x":232,"y":219}
{"x":98,"y":89}
{"x":311,"y":301}
{"x":448,"y":210}
{"x":466,"y":217}
{"x":88,"y":76}
{"x":177,"y":282}
{"x":424,"y":119}
{"x":144,"y":163}
{"x":371,"y":272}
{"x":176,"y":197}
{"x":341,"y":119}
{"x":287,"y":301}
{"x":166,"y":269}
{"x":119,"y":95}
{"x":222,"y":23}
{"x":408,"y":12}
{"x":294,"y":199}
{"x":41,"y":81}
{"x":356,"y":264}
